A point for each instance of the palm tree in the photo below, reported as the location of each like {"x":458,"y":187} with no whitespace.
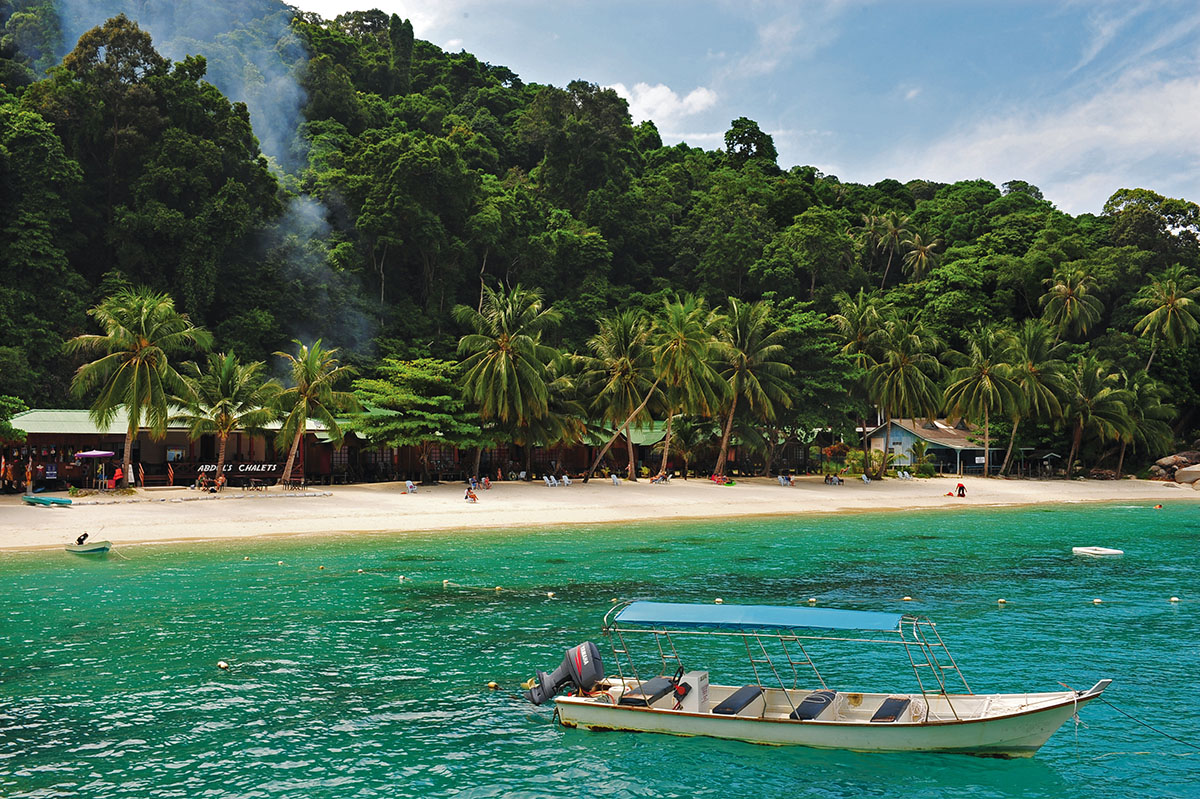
{"x":620,"y":372}
{"x":685,"y":346}
{"x":859,"y":323}
{"x":504,"y":359}
{"x":984,"y":385}
{"x":1095,"y":403}
{"x":922,"y":256}
{"x":918,"y":453}
{"x":1038,"y":370}
{"x":1172,"y":313}
{"x":1149,"y":416}
{"x":142,"y":330}
{"x":228,"y":397}
{"x":893,"y":237}
{"x":752,"y":367}
{"x":314,"y":372}
{"x":682,"y":344}
{"x":903,"y":382}
{"x":1069,"y":304}
{"x":691,"y":438}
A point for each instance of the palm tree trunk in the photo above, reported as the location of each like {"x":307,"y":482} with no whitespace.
{"x":632,"y":416}
{"x":1121,"y":459}
{"x":528,"y":460}
{"x":1150,"y":360}
{"x":291,"y":458}
{"x":224,"y":439}
{"x":887,"y":268}
{"x":666,"y":446}
{"x":865,"y":446}
{"x":887,"y":443}
{"x":629,"y":449}
{"x":1011,"y":440}
{"x":720,"y":467}
{"x":478,"y":458}
{"x":128,"y":454}
{"x":1075,"y":441}
{"x":987,"y":445}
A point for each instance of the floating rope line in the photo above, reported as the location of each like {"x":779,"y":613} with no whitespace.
{"x":1156,"y":754}
{"x":1147,"y":726}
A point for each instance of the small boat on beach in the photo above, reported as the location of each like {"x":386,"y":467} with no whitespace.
{"x":777,"y":641}
{"x":84,"y":547}
{"x":46,"y":502}
{"x":1097,"y":552}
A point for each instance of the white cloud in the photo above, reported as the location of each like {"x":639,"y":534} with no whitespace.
{"x":911,"y":94}
{"x":1143,"y":130}
{"x":453,"y":45}
{"x":792,"y":30}
{"x":662,"y":104}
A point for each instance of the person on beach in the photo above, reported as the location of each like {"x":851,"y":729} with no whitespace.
{"x":409,"y":488}
{"x":960,"y":490}
{"x":487,"y":484}
{"x":470,"y":495}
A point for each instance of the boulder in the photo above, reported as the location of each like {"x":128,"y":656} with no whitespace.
{"x":1188,"y":474}
{"x":1191,"y":456}
{"x":1168,"y":461}
{"x":1158,"y":471}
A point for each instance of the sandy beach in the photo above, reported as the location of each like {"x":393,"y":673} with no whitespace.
{"x":163,"y":515}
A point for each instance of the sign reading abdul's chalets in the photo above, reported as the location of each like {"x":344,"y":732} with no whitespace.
{"x":248,"y":467}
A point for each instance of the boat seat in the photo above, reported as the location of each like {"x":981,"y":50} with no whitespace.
{"x":891,"y":709}
{"x":739,"y":700}
{"x":813,"y":705}
{"x":647,"y":693}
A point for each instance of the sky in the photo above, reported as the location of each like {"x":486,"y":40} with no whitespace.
{"x":1077,"y":98}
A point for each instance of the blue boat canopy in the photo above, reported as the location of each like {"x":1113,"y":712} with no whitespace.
{"x":754,"y":617}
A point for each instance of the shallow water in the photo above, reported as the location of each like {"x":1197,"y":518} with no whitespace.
{"x":364,"y":685}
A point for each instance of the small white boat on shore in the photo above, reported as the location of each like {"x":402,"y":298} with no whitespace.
{"x":931,"y":720}
{"x":1097,"y":552}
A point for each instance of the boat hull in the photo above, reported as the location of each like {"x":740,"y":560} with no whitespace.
{"x":97,"y":548}
{"x":1014,"y":735}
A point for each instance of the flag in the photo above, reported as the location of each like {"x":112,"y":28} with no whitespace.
{"x":170,"y":475}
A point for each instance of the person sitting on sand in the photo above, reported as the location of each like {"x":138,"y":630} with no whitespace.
{"x":409,"y":487}
{"x":487,"y":484}
{"x":470,"y":495}
{"x":472,"y":482}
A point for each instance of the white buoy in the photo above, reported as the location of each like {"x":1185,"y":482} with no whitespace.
{"x":1097,"y":601}
{"x":321,"y":568}
{"x":280,"y":563}
{"x":360,"y":571}
{"x":907,"y":599}
{"x":719,"y":600}
{"x":246,"y":558}
{"x":615,"y":600}
{"x":1174,"y":599}
{"x":1001,"y":601}
{"x":222,"y":664}
{"x":550,"y":595}
{"x":498,"y":588}
{"x":445,"y":583}
{"x":812,"y":600}
{"x":493,"y":685}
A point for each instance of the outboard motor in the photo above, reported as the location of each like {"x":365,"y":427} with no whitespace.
{"x":581,"y":667}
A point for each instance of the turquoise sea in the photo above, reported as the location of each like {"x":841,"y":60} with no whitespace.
{"x":349,"y":684}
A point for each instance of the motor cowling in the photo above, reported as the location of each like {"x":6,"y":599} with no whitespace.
{"x":581,"y":667}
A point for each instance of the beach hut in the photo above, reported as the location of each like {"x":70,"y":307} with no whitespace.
{"x":954,"y":446}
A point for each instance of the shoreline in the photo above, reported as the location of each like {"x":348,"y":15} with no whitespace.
{"x":159,"y":516}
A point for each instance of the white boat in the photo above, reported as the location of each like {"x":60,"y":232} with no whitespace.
{"x":1097,"y":552}
{"x":931,"y":720}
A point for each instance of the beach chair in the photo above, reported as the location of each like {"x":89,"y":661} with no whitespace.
{"x":782,"y":481}
{"x":616,"y":480}
{"x":552,"y":481}
{"x":866,"y":479}
{"x":566,"y":479}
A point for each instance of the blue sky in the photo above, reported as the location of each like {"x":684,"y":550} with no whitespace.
{"x":1079,"y":98}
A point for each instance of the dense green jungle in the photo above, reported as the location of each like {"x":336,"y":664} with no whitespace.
{"x":286,"y":178}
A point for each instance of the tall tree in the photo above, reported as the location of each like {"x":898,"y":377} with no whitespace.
{"x":752,"y":365}
{"x":226,"y":397}
{"x":1095,"y":404}
{"x":503,"y":358}
{"x":1070,"y":304}
{"x":903,"y":382}
{"x":859,"y":324}
{"x":922,"y":255}
{"x":1039,"y":372}
{"x":619,"y":373}
{"x":1149,"y":416}
{"x":142,"y":331}
{"x":1172,"y":313}
{"x":983,"y":386}
{"x":893,"y":236}
{"x":315,"y":373}
{"x":416,"y":404}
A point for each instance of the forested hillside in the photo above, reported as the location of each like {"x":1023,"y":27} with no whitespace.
{"x":340,"y":179}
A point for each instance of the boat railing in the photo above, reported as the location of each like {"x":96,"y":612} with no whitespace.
{"x":922,"y":644}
